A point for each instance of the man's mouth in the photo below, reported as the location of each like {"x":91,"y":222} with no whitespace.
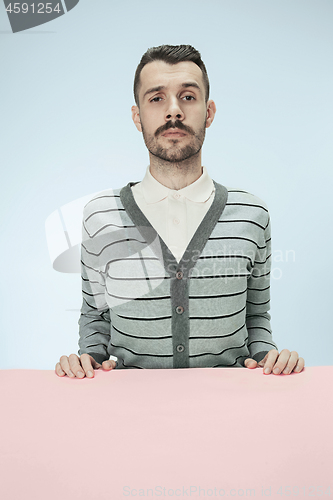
{"x":174,"y":130}
{"x":173,"y":133}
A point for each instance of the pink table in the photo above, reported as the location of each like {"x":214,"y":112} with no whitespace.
{"x":186,"y":433}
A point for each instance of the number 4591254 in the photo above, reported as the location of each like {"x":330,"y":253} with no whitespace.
{"x":39,"y":9}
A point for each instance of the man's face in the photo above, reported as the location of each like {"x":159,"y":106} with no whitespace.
{"x":173,"y":114}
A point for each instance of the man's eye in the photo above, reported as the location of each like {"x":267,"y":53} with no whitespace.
{"x":189,"y":97}
{"x":155,"y":99}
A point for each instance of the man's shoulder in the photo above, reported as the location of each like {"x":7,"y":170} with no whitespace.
{"x":241,"y":197}
{"x":103,"y":200}
{"x":244,"y":206}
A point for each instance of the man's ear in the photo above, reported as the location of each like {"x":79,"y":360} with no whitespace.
{"x":136,"y":117}
{"x":211,"y":110}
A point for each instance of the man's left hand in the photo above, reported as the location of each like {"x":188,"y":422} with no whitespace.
{"x":284,"y":362}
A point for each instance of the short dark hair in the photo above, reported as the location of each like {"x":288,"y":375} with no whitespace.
{"x":171,"y":54}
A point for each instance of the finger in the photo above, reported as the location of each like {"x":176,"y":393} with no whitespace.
{"x":94,"y":363}
{"x":75,"y":366}
{"x":59,"y":371}
{"x":262,"y":361}
{"x":250,"y":363}
{"x":281,"y":361}
{"x":270,"y":361}
{"x":300,"y":365}
{"x":64,"y":365}
{"x":110,"y":364}
{"x":88,"y":364}
{"x":291,"y":363}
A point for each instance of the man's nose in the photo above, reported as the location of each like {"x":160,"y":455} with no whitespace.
{"x":174,"y":111}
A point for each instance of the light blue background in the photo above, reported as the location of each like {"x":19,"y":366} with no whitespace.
{"x":66,"y":132}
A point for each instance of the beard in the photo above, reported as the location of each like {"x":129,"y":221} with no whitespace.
{"x":175,"y":153}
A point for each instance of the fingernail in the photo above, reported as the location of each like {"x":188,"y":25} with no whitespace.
{"x":286,"y":371}
{"x":276,"y":371}
{"x":266,"y":371}
{"x":89,"y":374}
{"x":71,"y":374}
{"x":79,"y":374}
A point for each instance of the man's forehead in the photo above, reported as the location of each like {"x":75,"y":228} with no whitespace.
{"x":160,"y":73}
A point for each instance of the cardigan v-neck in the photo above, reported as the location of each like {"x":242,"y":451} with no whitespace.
{"x":175,"y":214}
{"x":199,"y":238}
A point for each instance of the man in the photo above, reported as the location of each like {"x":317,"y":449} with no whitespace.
{"x":175,"y":269}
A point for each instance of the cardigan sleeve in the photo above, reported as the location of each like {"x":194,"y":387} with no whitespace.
{"x":258,"y":299}
{"x":94,"y":321}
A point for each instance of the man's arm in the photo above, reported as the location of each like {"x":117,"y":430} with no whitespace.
{"x":258,"y":325}
{"x":94,"y":322}
{"x":263,"y":350}
{"x":94,"y":331}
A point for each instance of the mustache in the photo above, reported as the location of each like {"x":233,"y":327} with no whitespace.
{"x":177,"y":124}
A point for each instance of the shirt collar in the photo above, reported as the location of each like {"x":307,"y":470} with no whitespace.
{"x":199,"y":191}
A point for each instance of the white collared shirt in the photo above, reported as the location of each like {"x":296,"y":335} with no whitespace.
{"x":174,"y":214}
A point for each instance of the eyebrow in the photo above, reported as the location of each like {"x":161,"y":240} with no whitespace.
{"x":162,"y":87}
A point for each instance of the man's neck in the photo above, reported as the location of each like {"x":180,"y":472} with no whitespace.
{"x":176,"y":175}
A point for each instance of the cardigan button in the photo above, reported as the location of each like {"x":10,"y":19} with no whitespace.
{"x":180,"y":348}
{"x":179,"y":275}
{"x":179,"y":310}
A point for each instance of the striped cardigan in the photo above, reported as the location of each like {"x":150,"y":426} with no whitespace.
{"x":148,"y":310}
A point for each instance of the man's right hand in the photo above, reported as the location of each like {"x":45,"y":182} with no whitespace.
{"x":82,"y":366}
